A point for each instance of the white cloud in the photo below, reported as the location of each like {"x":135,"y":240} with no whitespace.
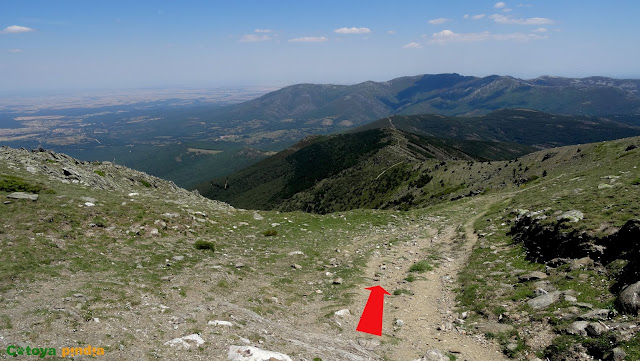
{"x":519,"y":37}
{"x":478,"y":17}
{"x":499,"y":5}
{"x":391,"y":32}
{"x":507,"y":10}
{"x":506,"y":19}
{"x":16,"y":29}
{"x":353,"y":30}
{"x":15,"y":51}
{"x":263,"y":31}
{"x":412,"y":46}
{"x":448,"y":36}
{"x":253,"y":38}
{"x":438,"y":21}
{"x":541,"y":30}
{"x":309,"y":39}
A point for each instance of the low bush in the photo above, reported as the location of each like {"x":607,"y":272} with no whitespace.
{"x":205,"y":245}
{"x":421,"y":266}
{"x":270,"y":233}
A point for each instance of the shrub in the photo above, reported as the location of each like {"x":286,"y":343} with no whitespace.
{"x":421,"y":266}
{"x":99,"y":172}
{"x":145,"y":183}
{"x":270,"y":233}
{"x":402,"y":291}
{"x":16,"y":184}
{"x":205,"y":245}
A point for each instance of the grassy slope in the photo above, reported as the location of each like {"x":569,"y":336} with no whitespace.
{"x":57,"y":236}
{"x":344,"y":167}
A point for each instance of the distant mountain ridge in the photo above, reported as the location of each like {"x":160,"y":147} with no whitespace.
{"x":523,"y":126}
{"x":343,"y":106}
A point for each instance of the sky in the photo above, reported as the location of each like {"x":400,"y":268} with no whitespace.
{"x":118,"y":44}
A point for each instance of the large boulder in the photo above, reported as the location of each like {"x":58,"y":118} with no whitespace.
{"x":629,"y":299}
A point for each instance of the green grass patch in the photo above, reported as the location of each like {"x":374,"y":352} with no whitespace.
{"x":402,"y":291}
{"x":99,"y":172}
{"x":17,"y":184}
{"x":420,"y":267}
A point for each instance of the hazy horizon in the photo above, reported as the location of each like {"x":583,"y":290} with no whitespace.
{"x":75,"y":45}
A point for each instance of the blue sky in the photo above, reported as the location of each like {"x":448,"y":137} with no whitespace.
{"x":73,"y":44}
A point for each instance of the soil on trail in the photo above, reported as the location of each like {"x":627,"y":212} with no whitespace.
{"x":426,"y":319}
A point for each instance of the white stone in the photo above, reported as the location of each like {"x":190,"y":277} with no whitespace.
{"x":89,"y":204}
{"x":185,"y":342}
{"x":342,"y":313}
{"x":249,"y":353}
{"x":220,"y":323}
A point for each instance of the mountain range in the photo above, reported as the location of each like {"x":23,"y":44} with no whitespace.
{"x":325,"y":106}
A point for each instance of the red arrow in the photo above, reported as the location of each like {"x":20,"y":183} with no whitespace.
{"x":371,"y":319}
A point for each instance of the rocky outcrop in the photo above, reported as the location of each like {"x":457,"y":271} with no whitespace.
{"x":554,"y":244}
{"x":50,"y":166}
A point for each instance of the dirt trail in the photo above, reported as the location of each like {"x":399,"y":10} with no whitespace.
{"x":427,"y":315}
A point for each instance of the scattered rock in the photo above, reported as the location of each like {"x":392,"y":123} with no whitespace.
{"x":629,"y":299}
{"x":493,"y":327}
{"x":595,"y":329}
{"x":295,"y":253}
{"x":220,"y":323}
{"x":337,"y":281}
{"x":342,"y":313}
{"x":186,"y":342}
{"x":398,"y":323}
{"x":544,"y":300}
{"x":249,"y":353}
{"x":257,"y":217}
{"x":296,"y":266}
{"x":23,"y":195}
{"x":533,"y":276}
{"x":619,"y":354}
{"x":434,"y":355}
{"x":89,"y":199}
{"x":570,"y":299}
{"x":89,"y":204}
{"x":578,"y":328}
{"x":239,"y":265}
{"x":177,"y":258}
{"x":584,"y":262}
{"x":598,"y":314}
{"x":368,"y":343}
{"x":571,"y":216}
